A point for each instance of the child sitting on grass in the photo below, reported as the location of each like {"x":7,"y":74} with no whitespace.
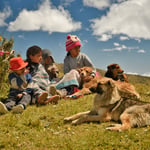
{"x":20,"y":91}
{"x":40,"y":77}
{"x":50,"y":66}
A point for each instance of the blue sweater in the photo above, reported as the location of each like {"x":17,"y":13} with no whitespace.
{"x":19,"y":84}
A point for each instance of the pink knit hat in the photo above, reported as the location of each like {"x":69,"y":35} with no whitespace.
{"x":72,"y":41}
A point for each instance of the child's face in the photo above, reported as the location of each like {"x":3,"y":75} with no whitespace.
{"x":48,"y":60}
{"x":75,"y":51}
{"x":37,"y":58}
{"x":20,"y":72}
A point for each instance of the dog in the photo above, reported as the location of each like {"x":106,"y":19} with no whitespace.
{"x":110,"y":105}
{"x":115,"y":72}
{"x":87,"y":81}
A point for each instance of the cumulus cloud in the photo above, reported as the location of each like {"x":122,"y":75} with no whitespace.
{"x":129,"y":18}
{"x":46,"y":18}
{"x":99,"y":4}
{"x":4,"y":15}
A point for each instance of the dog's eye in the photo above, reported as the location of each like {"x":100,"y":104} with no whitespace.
{"x":86,"y":71}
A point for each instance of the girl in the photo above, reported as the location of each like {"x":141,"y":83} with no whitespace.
{"x":74,"y":59}
{"x":40,"y":77}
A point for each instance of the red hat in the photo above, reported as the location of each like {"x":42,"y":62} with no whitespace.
{"x":17,"y":63}
{"x":72,"y":41}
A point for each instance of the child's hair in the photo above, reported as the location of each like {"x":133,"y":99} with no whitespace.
{"x":33,"y":50}
{"x":68,"y":53}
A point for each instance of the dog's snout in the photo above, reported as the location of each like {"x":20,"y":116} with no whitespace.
{"x":82,"y":74}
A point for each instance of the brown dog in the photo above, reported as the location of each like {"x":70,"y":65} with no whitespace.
{"x":87,"y":81}
{"x":115,"y":72}
{"x":110,"y":105}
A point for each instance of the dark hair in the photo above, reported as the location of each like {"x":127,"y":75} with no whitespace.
{"x":33,"y":50}
{"x":68,"y":53}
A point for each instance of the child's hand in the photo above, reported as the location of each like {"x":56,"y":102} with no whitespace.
{"x":19,"y":95}
{"x":26,"y":70}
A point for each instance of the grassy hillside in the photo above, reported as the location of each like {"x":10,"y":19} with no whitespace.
{"x":42,"y":128}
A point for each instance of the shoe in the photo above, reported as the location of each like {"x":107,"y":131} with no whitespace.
{"x":18,"y":109}
{"x":42,"y":98}
{"x":53,"y":99}
{"x":54,"y":91}
{"x":3,"y":108}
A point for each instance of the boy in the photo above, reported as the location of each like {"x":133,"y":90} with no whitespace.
{"x":20,"y":91}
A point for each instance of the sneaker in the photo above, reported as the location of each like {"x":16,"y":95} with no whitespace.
{"x":53,"y":99}
{"x":54,"y":91}
{"x":3,"y":108}
{"x":18,"y":109}
{"x":42,"y":98}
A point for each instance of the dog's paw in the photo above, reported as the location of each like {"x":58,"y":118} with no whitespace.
{"x":114,"y":125}
{"x":114,"y":129}
{"x":75,"y":122}
{"x":67,"y":120}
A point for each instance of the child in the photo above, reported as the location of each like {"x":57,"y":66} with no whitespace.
{"x":40,"y":77}
{"x":20,"y":91}
{"x":50,"y":66}
{"x":74,"y":59}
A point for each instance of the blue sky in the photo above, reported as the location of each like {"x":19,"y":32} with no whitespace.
{"x":111,"y":31}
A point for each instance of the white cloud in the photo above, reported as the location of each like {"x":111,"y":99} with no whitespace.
{"x":4,"y":15}
{"x":141,"y":51}
{"x":146,"y":74}
{"x":66,"y":2}
{"x":130,"y":18}
{"x":119,"y":47}
{"x":105,"y":37}
{"x":122,"y":38}
{"x":116,"y":44}
{"x":99,"y":4}
{"x":46,"y":18}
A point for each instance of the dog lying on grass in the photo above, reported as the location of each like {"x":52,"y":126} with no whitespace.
{"x":109,"y":105}
{"x":87,"y":81}
{"x":115,"y":72}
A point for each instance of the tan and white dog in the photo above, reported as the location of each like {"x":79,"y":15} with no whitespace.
{"x":109,"y":104}
{"x":87,"y":81}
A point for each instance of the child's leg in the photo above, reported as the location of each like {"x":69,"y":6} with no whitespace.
{"x":25,"y":100}
{"x":22,"y":104}
{"x":10,"y":102}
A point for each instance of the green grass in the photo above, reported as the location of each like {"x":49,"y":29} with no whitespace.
{"x":42,"y":128}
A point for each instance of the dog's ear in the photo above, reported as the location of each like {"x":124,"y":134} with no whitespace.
{"x":94,"y":87}
{"x":111,"y":83}
{"x":79,"y":70}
